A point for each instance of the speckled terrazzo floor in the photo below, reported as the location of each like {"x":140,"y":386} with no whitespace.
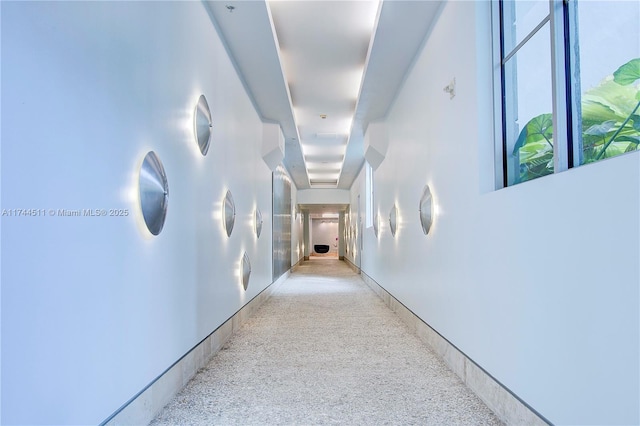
{"x":324,"y":349}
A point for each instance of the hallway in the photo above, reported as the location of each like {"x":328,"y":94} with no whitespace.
{"x":324,"y":349}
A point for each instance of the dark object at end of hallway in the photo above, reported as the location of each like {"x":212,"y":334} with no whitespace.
{"x":321,"y":248}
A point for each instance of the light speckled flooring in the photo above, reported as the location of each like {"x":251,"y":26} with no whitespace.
{"x":324,"y":349}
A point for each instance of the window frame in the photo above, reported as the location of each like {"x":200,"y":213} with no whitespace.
{"x":565,"y":100}
{"x":369,"y":195}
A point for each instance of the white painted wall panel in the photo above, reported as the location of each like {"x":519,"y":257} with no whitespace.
{"x":537,"y":283}
{"x":355,"y":222}
{"x":323,"y":196}
{"x":297,"y":234}
{"x":93,"y":309}
{"x":324,"y":232}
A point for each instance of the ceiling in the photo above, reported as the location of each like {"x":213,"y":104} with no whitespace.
{"x":323,"y":70}
{"x":320,"y":209}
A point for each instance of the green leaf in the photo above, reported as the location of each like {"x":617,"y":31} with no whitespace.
{"x":636,"y":121}
{"x":534,"y":151}
{"x":607,"y":101}
{"x":538,"y":129}
{"x":600,"y":129}
{"x":631,"y":147}
{"x":628,"y":73}
{"x":614,"y":150}
{"x":632,"y":139}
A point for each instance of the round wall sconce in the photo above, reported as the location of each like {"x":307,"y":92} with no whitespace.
{"x":246,"y":270}
{"x":228,"y":213}
{"x":376,"y":225}
{"x":202,"y":124}
{"x":426,"y":209}
{"x":393,"y":220}
{"x":258,"y":222}
{"x":154,"y":192}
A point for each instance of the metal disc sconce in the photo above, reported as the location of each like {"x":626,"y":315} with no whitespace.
{"x":426,"y":209}
{"x":246,"y":270}
{"x":258,"y":222}
{"x":202,"y":125}
{"x":153,"y":192}
{"x":228,"y":213}
{"x":393,"y":220}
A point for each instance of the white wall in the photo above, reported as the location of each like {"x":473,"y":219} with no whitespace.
{"x":323,"y":196}
{"x":93,"y":309}
{"x":324,"y":232}
{"x":537,"y":283}
{"x":297,"y":230}
{"x":354,"y":219}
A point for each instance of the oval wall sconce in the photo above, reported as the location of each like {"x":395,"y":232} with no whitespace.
{"x":246,"y":270}
{"x":376,"y":224}
{"x":202,"y":124}
{"x":393,"y":220}
{"x":258,"y":222}
{"x":426,"y":209}
{"x":154,"y":192}
{"x":228,"y":213}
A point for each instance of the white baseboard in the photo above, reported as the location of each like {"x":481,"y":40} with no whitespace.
{"x":148,"y":403}
{"x":508,"y":407}
{"x":351,"y":265}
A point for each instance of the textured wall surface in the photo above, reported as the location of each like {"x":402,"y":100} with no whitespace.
{"x":95,"y":308}
{"x":281,"y":222}
{"x":537,"y":283}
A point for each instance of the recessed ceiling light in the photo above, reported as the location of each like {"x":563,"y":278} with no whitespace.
{"x":323,"y":116}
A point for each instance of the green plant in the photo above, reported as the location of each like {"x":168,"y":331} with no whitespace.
{"x":534,"y":147}
{"x":610,"y":124}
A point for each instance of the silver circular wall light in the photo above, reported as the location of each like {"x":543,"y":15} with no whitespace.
{"x":202,"y":124}
{"x":393,"y":220}
{"x":426,"y":209}
{"x":258,"y":222}
{"x":228,"y":213}
{"x":246,"y":270}
{"x":154,"y":192}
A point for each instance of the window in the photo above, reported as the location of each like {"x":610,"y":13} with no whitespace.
{"x":606,"y":77}
{"x":569,"y":83}
{"x":369,"y":195}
